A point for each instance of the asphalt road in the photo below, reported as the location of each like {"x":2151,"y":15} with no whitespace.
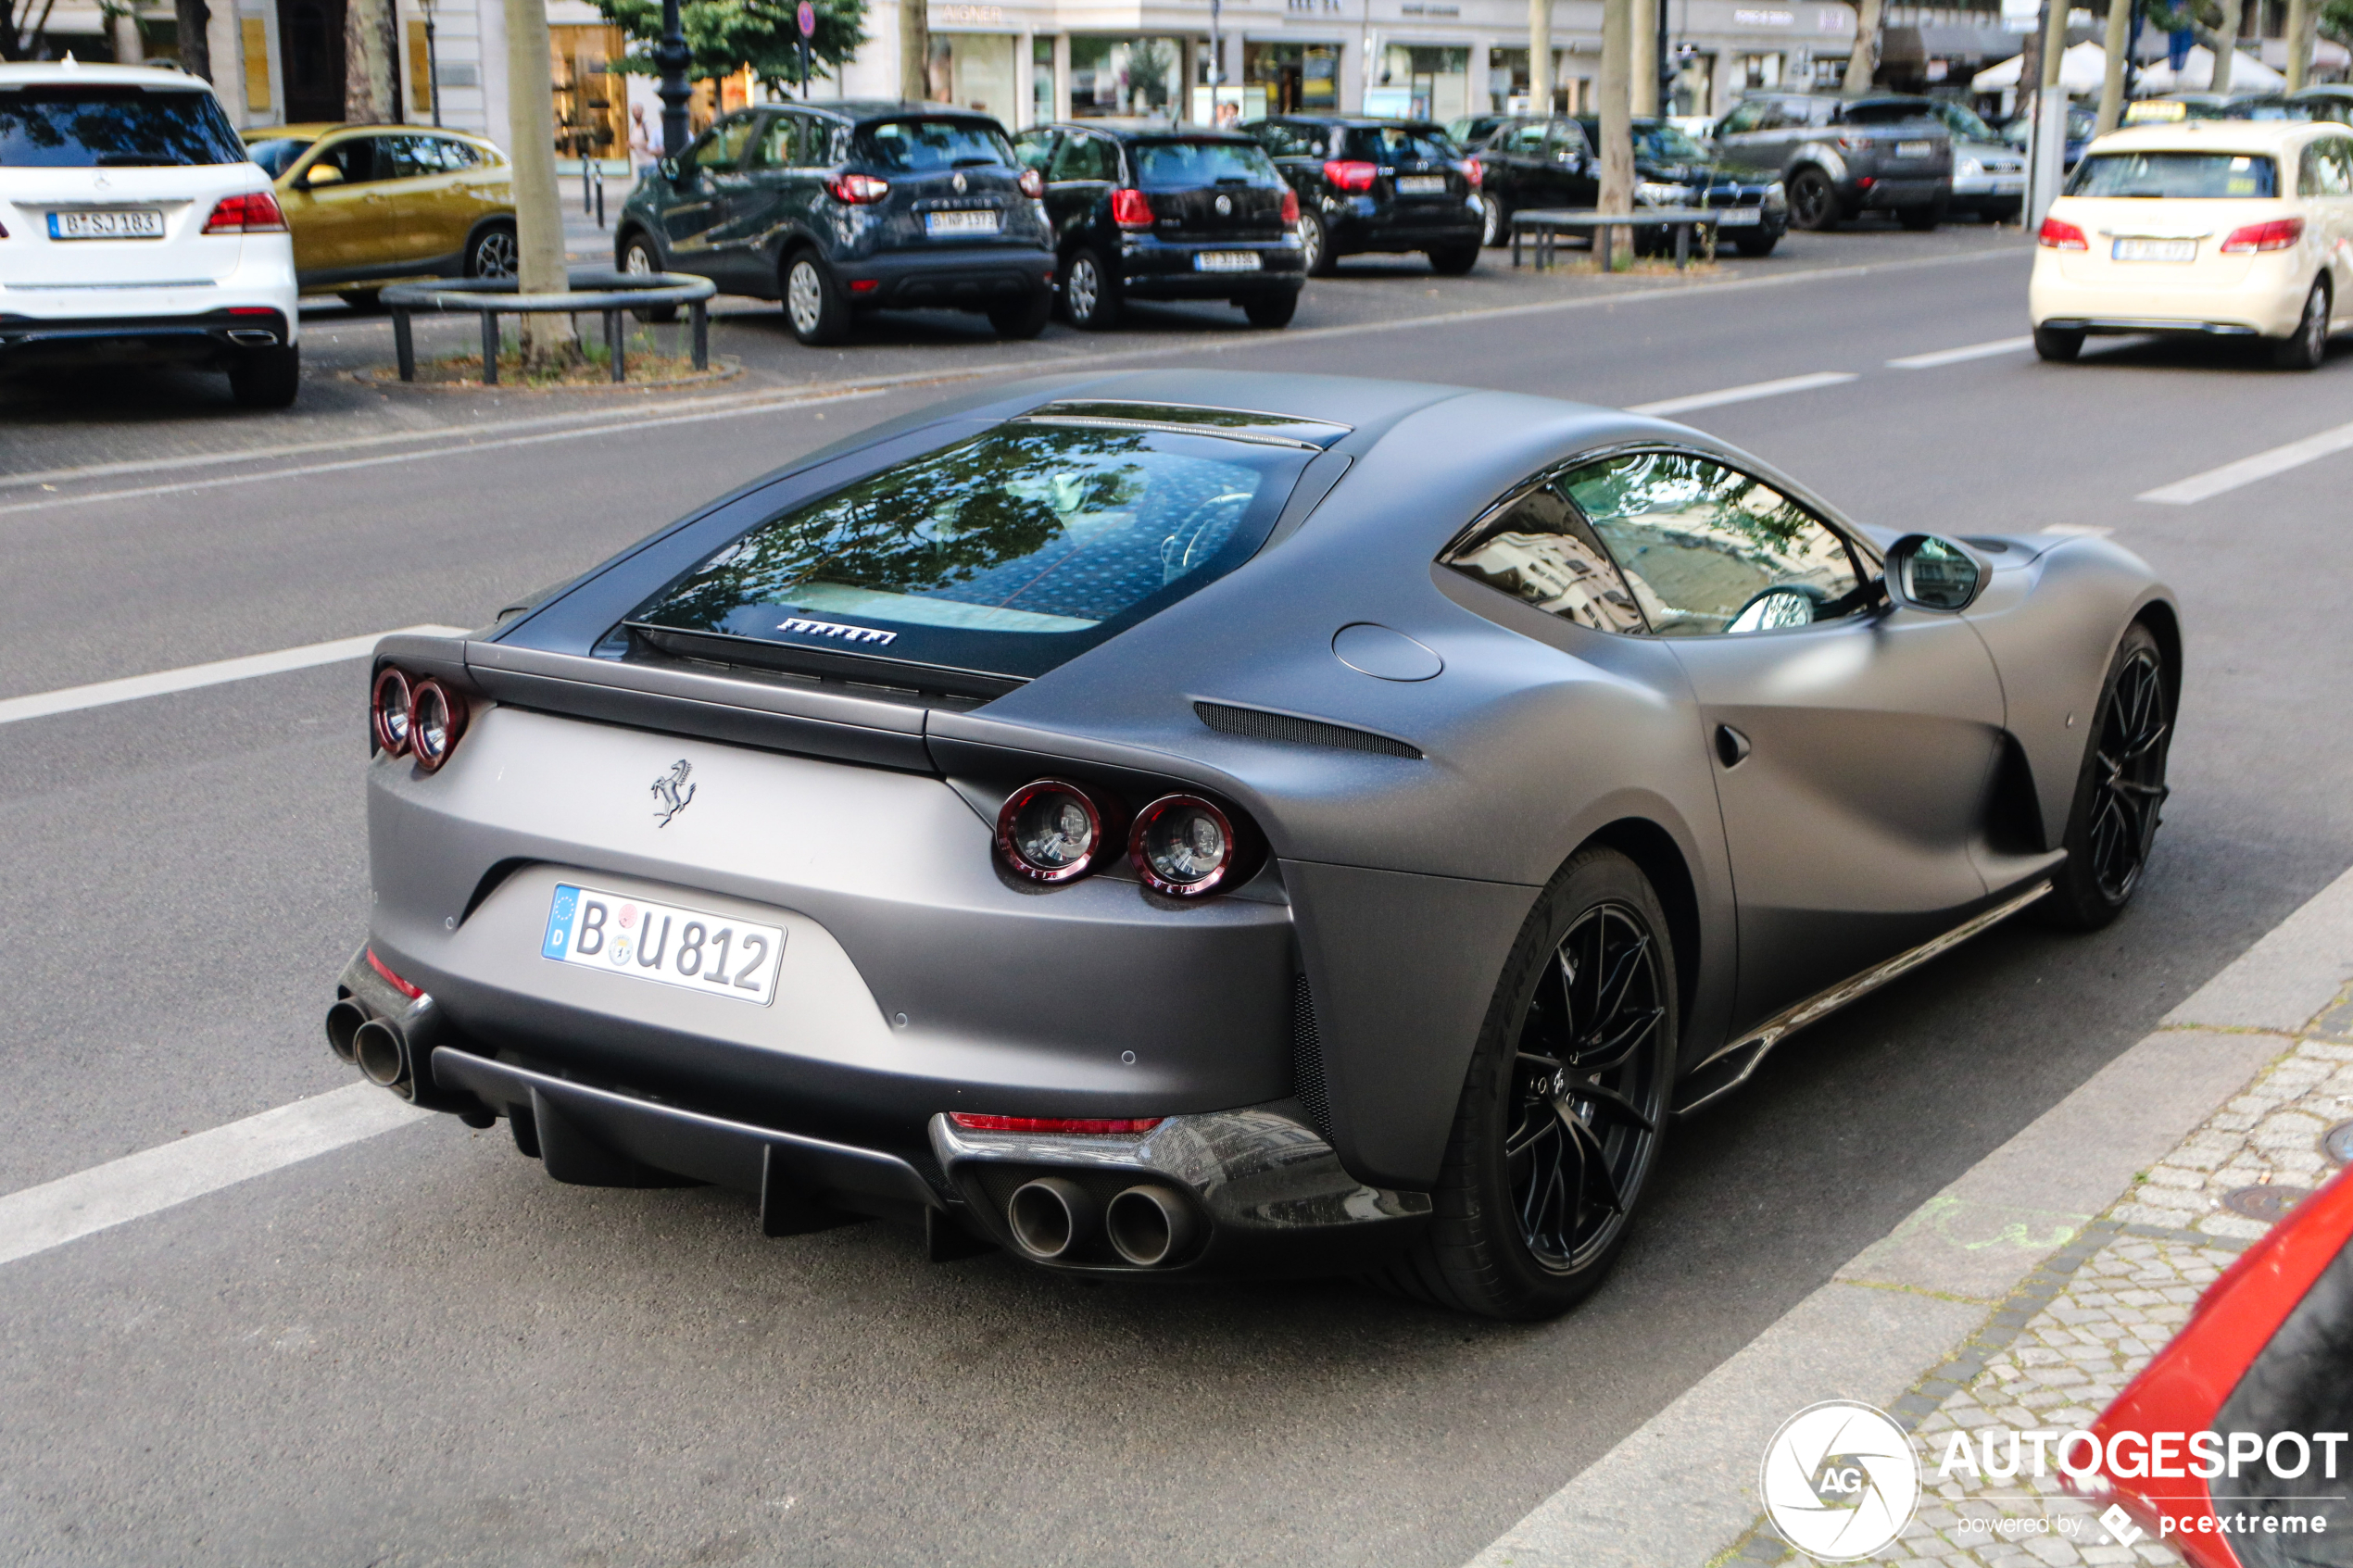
{"x":418,"y":1351}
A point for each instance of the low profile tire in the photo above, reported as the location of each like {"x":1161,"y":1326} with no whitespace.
{"x":1494,"y":224}
{"x":1315,"y":245}
{"x":1756,"y":245}
{"x":266,"y":378}
{"x":2119,"y":792}
{"x":2308,"y":344}
{"x":1274,"y":310}
{"x":361,"y":299}
{"x":1921,"y":220}
{"x":493,"y":253}
{"x":1024,"y":318}
{"x":638,"y":260}
{"x":1813,"y":203}
{"x":1564,"y":1107}
{"x":2058,"y":345}
{"x":813,"y":305}
{"x":1453,"y":261}
{"x":1090,"y":298}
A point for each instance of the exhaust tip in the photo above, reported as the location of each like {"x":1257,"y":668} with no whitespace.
{"x":1149,"y":1226}
{"x":376,"y":1045}
{"x":1050,"y":1217}
{"x":344,"y":1021}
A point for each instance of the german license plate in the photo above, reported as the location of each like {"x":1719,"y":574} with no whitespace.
{"x":665,"y":942}
{"x":1225,"y":261}
{"x":1914,"y":149}
{"x":1421,"y":185}
{"x":2154,"y":250}
{"x":129,"y":223}
{"x":980,"y":222}
{"x":1740,"y":218}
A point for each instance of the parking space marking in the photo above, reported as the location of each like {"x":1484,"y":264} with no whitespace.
{"x":2247,"y":471}
{"x":137,"y":1185}
{"x":1955,"y":356}
{"x":1747,"y":393}
{"x":98,"y":694}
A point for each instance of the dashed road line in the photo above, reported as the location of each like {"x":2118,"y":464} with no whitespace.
{"x":1747,"y":393}
{"x":1956,"y":356}
{"x":98,"y":694}
{"x":2247,"y":471}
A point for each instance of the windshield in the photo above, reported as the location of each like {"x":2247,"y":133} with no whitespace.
{"x":100,"y":127}
{"x":2187,"y":175}
{"x":1962,"y":121}
{"x":1393,"y":144}
{"x":1885,"y":111}
{"x":919,"y":146}
{"x":1665,"y":144}
{"x":1171,"y":164}
{"x":1005,"y":555}
{"x":277,"y":153}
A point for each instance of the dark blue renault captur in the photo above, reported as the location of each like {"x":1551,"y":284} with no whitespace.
{"x":842,"y":208}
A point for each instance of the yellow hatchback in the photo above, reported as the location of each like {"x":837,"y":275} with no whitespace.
{"x":371,"y":204}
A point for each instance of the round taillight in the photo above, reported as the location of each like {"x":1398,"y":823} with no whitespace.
{"x":1182,"y":845}
{"x":388,"y":710}
{"x":436,"y":718}
{"x":1049,"y":831}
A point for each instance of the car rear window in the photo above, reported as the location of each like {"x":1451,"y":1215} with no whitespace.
{"x":1175,"y":165}
{"x":1003,"y":555}
{"x":1388,"y":144}
{"x":919,"y":146}
{"x":104,"y":127}
{"x":2175,"y":174}
{"x":277,"y":153}
{"x":1887,"y":114}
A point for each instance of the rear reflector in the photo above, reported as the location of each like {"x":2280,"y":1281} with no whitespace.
{"x":411,"y":991}
{"x":865,"y":285}
{"x":1046,"y":1123}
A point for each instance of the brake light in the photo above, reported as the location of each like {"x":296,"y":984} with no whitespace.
{"x":1032,"y":183}
{"x":1290,"y":208}
{"x":1130,"y":211}
{"x":1474,"y":171}
{"x":437,"y":721}
{"x":1350,"y":175}
{"x":411,"y":991}
{"x":857,"y":190}
{"x":1096,"y":1124}
{"x":2278,"y":234}
{"x":2059,"y":234}
{"x":256,"y":212}
{"x":1863,"y":181}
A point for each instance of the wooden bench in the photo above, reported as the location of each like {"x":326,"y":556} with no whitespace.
{"x":1545,"y":225}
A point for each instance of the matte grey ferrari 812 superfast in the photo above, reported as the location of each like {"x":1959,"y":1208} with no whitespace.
{"x":1193,"y":823}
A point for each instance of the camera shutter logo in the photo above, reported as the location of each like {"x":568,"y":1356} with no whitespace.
{"x":1840,"y":1481}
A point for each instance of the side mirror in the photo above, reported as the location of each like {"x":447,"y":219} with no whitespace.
{"x":319,"y":175}
{"x":1932,"y":574}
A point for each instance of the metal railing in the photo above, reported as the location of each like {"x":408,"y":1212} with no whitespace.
{"x":597,"y":290}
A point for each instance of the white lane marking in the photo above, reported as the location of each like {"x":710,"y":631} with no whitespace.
{"x":71,"y":1206}
{"x":2247,"y":471}
{"x":1750,"y":393}
{"x":98,"y":694}
{"x":1955,"y":356}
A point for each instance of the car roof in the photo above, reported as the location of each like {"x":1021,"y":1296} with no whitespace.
{"x":862,"y":109}
{"x":312,"y":130}
{"x":2213,"y":135}
{"x":44,"y":73}
{"x":1373,"y":121}
{"x":1127,"y":130}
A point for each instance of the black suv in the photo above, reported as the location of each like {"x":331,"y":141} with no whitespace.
{"x":1541,"y":161}
{"x":848,"y":206}
{"x":1376,"y":185}
{"x":1840,"y":156}
{"x":1158,"y":212}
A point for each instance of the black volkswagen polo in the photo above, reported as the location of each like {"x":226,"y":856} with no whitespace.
{"x":1155,"y":211}
{"x":1377,"y":185}
{"x":848,"y":206}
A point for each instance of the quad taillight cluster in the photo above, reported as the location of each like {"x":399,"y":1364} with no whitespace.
{"x":1052,"y":831}
{"x":413,"y":717}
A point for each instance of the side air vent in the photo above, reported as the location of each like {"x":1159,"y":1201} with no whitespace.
{"x":1307,"y":1059}
{"x":1253,"y":725}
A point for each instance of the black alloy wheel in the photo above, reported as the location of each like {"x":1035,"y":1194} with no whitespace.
{"x":1315,"y":246}
{"x":1813,"y":204}
{"x":493,"y":253}
{"x":2058,"y":345}
{"x":1090,"y":298}
{"x":1564,"y":1108}
{"x":1493,"y":224}
{"x":638,"y":260}
{"x":2121,"y":793}
{"x":2304,"y":349}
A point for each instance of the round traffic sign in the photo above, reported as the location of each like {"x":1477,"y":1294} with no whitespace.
{"x":808,"y":18}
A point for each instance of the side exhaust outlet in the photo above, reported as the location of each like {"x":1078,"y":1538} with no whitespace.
{"x":1050,"y":1217}
{"x":382,"y":1056}
{"x":1149,"y":1225}
{"x":344,"y":1020}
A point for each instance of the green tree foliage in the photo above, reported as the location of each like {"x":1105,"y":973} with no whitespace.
{"x":2336,"y":20}
{"x":730,"y":35}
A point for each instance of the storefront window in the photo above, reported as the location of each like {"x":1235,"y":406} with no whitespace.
{"x":1125,"y":76}
{"x":1755,"y":73}
{"x":1694,"y":87}
{"x":1413,"y":83}
{"x":1041,"y":81}
{"x":591,"y":107}
{"x":1507,"y":83}
{"x":975,"y":71}
{"x":1296,"y":78}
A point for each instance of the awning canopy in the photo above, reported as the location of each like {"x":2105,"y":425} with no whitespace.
{"x":2196,"y":75}
{"x":2081,"y":70}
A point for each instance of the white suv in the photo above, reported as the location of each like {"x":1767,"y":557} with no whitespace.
{"x":134,"y":227}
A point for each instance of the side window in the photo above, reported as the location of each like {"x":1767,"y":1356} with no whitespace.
{"x":1033,"y":149}
{"x":1744,"y":116}
{"x":723,"y":147}
{"x":1540,"y":551}
{"x":1569,"y":140}
{"x":2323,"y":172}
{"x":456,"y":155}
{"x":409,"y":158}
{"x":356,"y":158}
{"x":1085,"y":157}
{"x":1279,"y":140}
{"x":777,"y":146}
{"x":1526,"y":141}
{"x":1707,"y":549}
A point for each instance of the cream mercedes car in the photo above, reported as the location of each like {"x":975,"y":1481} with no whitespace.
{"x":2220,"y":227}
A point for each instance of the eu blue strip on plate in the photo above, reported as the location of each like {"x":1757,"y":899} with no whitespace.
{"x":559,"y":915}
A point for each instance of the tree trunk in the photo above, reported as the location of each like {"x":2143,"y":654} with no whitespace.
{"x":2225,"y":44}
{"x":915,"y":51}
{"x":1616,"y":90}
{"x":2030,"y":65}
{"x":1642,"y":66}
{"x":370,"y":63}
{"x":1539,"y":56}
{"x":2301,"y":18}
{"x":1864,"y":61}
{"x":2117,"y":42}
{"x":196,"y":43}
{"x":547,"y":342}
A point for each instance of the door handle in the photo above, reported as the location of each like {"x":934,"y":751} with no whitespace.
{"x":1731,"y":746}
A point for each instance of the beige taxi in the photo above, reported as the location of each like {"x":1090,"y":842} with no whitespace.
{"x":2218,"y":228}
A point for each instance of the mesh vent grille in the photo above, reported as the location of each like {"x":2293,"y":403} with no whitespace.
{"x":1252,"y":724}
{"x":1307,"y":1059}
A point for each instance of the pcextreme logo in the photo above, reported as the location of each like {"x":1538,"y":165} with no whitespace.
{"x":1840,"y":1481}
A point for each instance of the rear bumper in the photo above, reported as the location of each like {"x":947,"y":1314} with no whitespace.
{"x":1152,"y":270}
{"x":206,"y":337}
{"x":965,"y":279}
{"x":1353,"y":233}
{"x":2223,"y":312}
{"x":1886,"y":194}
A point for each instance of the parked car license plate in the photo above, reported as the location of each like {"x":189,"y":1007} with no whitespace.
{"x":1421,"y":185}
{"x":1914,"y":149}
{"x":129,"y":223}
{"x":969,"y":222}
{"x":664,"y":942}
{"x":2154,"y":250}
{"x":1740,"y":218}
{"x":1225,"y":261}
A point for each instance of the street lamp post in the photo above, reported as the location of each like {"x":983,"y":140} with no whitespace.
{"x":433,"y":67}
{"x":671,"y":56}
